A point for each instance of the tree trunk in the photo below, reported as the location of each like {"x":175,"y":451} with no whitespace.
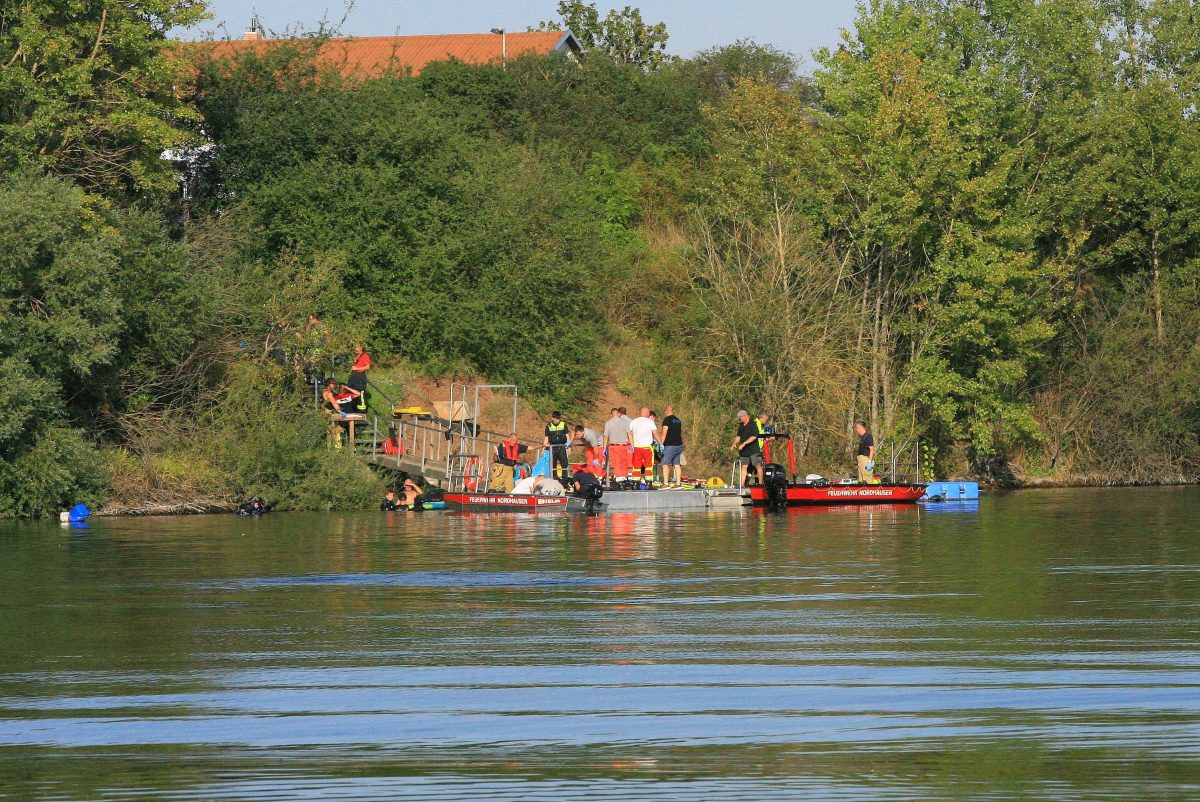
{"x":862,"y":336}
{"x":877,"y":358}
{"x":1156,"y":263}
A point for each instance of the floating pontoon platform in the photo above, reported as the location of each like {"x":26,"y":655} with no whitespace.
{"x":951,"y":491}
{"x":671,"y":500}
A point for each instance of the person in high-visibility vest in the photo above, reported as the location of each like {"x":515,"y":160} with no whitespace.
{"x":760,"y":423}
{"x":556,"y":440}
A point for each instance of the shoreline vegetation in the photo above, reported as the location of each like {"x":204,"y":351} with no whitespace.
{"x":979,"y":227}
{"x":211,"y":507}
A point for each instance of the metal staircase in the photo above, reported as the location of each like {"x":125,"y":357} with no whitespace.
{"x":453,"y":450}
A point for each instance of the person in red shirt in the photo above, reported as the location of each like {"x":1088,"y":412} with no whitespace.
{"x":358,"y":371}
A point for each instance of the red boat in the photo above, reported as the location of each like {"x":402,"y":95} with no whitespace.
{"x":805,"y":494}
{"x":505,"y":501}
{"x":776,"y":488}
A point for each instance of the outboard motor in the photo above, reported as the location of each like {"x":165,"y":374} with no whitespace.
{"x":775,"y":483}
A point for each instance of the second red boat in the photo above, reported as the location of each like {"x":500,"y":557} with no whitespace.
{"x":814,"y":494}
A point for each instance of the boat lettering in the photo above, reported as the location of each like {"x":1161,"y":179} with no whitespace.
{"x":861,"y":492}
{"x":519,"y":501}
{"x":496,"y":500}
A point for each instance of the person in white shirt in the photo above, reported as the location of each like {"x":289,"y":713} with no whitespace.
{"x":642,"y":431}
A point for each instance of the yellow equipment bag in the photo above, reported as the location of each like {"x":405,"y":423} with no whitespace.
{"x":399,"y":410}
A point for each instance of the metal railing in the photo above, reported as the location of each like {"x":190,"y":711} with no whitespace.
{"x":470,"y":464}
{"x":453,"y":447}
{"x":376,"y":392}
{"x":461,"y":455}
{"x":902,"y":459}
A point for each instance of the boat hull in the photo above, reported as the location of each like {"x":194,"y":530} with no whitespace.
{"x":505,"y":502}
{"x":805,"y":495}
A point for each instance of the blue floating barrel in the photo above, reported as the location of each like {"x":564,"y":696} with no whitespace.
{"x":78,"y":513}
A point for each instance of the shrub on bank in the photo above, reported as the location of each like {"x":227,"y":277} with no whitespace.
{"x":269,"y":442}
{"x":57,"y":470}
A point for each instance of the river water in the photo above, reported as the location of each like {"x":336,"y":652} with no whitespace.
{"x":1036,"y":645}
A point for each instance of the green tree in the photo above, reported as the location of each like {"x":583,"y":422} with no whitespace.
{"x":59,"y":323}
{"x":621,"y":35}
{"x":89,"y":90}
{"x":461,"y":248}
{"x":575,"y":107}
{"x":745,"y":59}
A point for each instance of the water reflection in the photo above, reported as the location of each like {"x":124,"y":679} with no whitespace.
{"x":1030,"y":646}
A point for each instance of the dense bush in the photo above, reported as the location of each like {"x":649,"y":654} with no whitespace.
{"x":460,"y":247}
{"x":269,"y":443}
{"x":60,"y":324}
{"x":56,"y":469}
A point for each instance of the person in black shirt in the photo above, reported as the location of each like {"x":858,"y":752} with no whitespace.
{"x":582,"y":481}
{"x":255,"y":506}
{"x":866,"y":453}
{"x":671,"y":437}
{"x":748,"y":447}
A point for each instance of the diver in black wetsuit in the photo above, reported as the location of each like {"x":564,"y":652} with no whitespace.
{"x":254,"y":506}
{"x":587,"y":487}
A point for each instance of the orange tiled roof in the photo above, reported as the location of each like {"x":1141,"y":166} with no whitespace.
{"x":372,"y":56}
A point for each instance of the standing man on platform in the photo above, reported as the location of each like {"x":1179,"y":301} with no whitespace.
{"x":671,"y":438}
{"x":642,"y":431}
{"x":866,"y":453}
{"x":616,"y":442}
{"x":556,"y":440}
{"x":747,"y":445}
{"x":358,"y":371}
{"x":762,"y":423}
